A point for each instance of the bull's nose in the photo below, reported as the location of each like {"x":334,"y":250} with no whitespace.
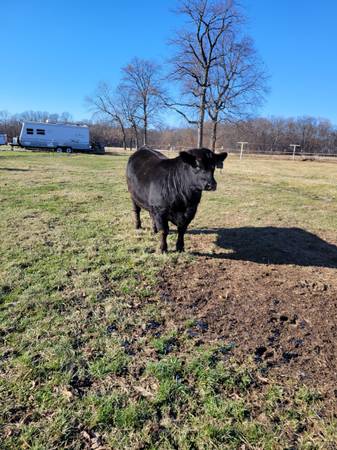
{"x":211,"y":186}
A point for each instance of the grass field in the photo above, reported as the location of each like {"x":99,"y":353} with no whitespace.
{"x":88,"y":356}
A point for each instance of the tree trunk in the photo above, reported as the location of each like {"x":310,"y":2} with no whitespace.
{"x":124,"y":136}
{"x":123,"y":132}
{"x":145,"y":134}
{"x":145,"y":126}
{"x":214,"y":133}
{"x":201,"y":120}
{"x":200,"y":130}
{"x":134,"y":126}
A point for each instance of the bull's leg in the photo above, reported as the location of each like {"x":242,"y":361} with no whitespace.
{"x":154,"y":226}
{"x":163,"y":239}
{"x":180,"y":246}
{"x":136,"y":210}
{"x":161,"y":224}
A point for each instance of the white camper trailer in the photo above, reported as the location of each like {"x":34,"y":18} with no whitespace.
{"x":3,"y":139}
{"x":57,"y":136}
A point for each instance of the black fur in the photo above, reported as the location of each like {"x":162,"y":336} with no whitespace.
{"x":170,"y":189}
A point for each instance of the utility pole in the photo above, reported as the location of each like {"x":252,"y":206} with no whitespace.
{"x":294,"y":146}
{"x":242,"y":146}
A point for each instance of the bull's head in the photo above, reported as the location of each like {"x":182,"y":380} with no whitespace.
{"x":202,"y":163}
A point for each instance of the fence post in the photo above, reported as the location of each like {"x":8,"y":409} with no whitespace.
{"x":294,"y":146}
{"x":241,"y":151}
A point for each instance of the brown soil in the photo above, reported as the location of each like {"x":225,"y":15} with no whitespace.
{"x":282,"y":314}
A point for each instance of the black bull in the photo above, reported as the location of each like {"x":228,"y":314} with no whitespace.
{"x":170,"y":189}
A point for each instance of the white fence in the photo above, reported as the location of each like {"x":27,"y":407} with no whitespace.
{"x":249,"y":151}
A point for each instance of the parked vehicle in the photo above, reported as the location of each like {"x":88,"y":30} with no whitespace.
{"x":61,"y":137}
{"x":3,"y":139}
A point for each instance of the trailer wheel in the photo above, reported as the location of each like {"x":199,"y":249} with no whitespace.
{"x":58,"y":150}
{"x":69,"y":150}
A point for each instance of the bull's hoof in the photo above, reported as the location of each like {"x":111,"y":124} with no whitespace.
{"x":180,"y":246}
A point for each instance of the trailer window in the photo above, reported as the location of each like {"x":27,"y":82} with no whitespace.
{"x":30,"y":131}
{"x":40,"y":131}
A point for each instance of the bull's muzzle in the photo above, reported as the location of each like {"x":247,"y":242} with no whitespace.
{"x":210,"y":186}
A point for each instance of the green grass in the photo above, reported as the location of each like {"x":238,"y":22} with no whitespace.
{"x":78,"y":366}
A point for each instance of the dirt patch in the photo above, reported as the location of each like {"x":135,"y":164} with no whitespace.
{"x":282,"y":315}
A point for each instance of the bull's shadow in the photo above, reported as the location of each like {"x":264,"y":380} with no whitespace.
{"x":11,"y":169}
{"x":272,"y":245}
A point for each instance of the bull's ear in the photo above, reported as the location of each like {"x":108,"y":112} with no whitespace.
{"x":219,"y":158}
{"x":188,"y":158}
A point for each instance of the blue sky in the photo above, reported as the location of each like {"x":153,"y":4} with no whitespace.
{"x":55,"y":53}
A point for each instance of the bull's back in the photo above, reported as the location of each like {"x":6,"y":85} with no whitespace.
{"x":142,"y":170}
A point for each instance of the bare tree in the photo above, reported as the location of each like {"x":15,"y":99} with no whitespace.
{"x":198,"y":50}
{"x":129,"y":105}
{"x":141,"y":81}
{"x":5,"y":118}
{"x":39,"y":116}
{"x":66,"y":117}
{"x":9,"y":124}
{"x":237,"y":82}
{"x":104,"y":102}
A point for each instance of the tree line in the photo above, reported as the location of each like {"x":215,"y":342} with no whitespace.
{"x":314,"y":135}
{"x":263,"y":135}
